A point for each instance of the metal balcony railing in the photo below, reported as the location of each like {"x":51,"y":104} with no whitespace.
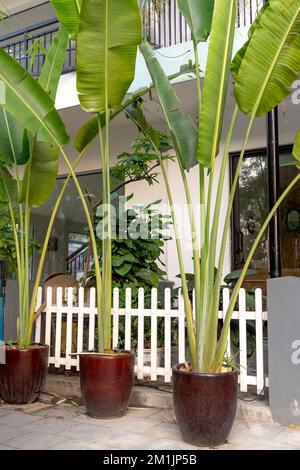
{"x":163,"y":26}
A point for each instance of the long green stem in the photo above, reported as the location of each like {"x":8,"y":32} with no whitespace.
{"x":106,"y":242}
{"x":195,"y":243}
{"x":16,"y":238}
{"x":185,"y":292}
{"x":25,"y":306}
{"x":43,"y":254}
{"x":223,"y":339}
{"x":230,"y":206}
{"x":200,"y":289}
{"x":93,"y":240}
{"x":201,"y":317}
{"x":211,"y":339}
{"x":19,"y":246}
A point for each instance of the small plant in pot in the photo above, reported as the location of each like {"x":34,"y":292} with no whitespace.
{"x":108,"y":34}
{"x":205,"y":391}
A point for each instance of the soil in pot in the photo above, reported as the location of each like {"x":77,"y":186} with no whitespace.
{"x":204,"y":405}
{"x":106,"y":382}
{"x":23,"y":374}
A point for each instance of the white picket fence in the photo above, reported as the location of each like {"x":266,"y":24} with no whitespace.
{"x":68,"y":326}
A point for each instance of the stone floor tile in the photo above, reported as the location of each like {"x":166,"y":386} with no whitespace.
{"x":17,"y":418}
{"x":74,"y":444}
{"x":8,"y":432}
{"x":36,"y":440}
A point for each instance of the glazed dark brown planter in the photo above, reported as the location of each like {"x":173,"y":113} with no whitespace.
{"x":106,"y":382}
{"x":23,"y":374}
{"x":205,"y":406}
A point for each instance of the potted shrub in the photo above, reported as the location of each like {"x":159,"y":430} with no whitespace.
{"x":23,"y":374}
{"x":32,"y":135}
{"x":107,"y":34}
{"x":205,"y":391}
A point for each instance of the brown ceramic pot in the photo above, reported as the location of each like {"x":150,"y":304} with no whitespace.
{"x":23,"y":374}
{"x":205,"y":406}
{"x":106,"y":382}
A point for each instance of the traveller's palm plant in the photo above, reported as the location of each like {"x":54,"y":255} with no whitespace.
{"x":263,"y":70}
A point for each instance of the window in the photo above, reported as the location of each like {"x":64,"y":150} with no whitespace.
{"x":251,"y":209}
{"x":69,"y":238}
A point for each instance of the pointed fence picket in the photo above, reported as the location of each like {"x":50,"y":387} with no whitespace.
{"x":69,"y":326}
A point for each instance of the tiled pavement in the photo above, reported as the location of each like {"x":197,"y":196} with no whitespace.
{"x":66,"y":426}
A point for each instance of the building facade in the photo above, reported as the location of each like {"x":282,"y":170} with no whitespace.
{"x":169,"y":34}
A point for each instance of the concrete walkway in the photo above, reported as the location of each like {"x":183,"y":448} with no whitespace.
{"x":66,"y":426}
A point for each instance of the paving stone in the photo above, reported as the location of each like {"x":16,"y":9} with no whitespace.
{"x":60,"y":411}
{"x":17,"y":418}
{"x":35,"y":407}
{"x":139,"y":426}
{"x":3,"y":447}
{"x":73,"y":444}
{"x":52,"y":426}
{"x":4,"y":411}
{"x":8,"y":432}
{"x":36,"y":440}
{"x":169,"y":444}
{"x":161,"y":430}
{"x":124,"y":440}
{"x":141,"y":413}
{"x":69,"y":427}
{"x":85,"y":432}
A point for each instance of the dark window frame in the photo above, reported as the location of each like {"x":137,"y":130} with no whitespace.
{"x":235,"y":239}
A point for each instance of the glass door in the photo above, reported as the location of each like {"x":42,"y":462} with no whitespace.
{"x":251,"y":209}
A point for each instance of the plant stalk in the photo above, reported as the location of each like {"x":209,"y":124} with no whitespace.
{"x":223,"y":339}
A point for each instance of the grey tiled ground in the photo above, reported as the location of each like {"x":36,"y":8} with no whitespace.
{"x":66,"y":426}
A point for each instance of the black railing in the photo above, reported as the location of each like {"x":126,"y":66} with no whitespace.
{"x":19,"y":45}
{"x":76,"y":261}
{"x":163,"y":26}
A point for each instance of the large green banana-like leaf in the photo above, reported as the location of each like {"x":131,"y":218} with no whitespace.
{"x":216,"y":80}
{"x":109,"y":33}
{"x":198,"y":15}
{"x":87,"y":133}
{"x":68,"y":12}
{"x":271,"y":61}
{"x":182,"y":127}
{"x":14,"y":145}
{"x":54,"y":62}
{"x":8,"y":187}
{"x":40,"y":174}
{"x":237,"y":61}
{"x":25,"y":99}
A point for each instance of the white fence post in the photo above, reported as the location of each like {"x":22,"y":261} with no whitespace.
{"x":80,"y":323}
{"x":115,"y":318}
{"x":154,"y":334}
{"x":69,"y":328}
{"x":128,"y":319}
{"x":57,"y":329}
{"x":226,"y":300}
{"x":167,"y":334}
{"x":92,"y":318}
{"x":38,"y":323}
{"x":259,"y":342}
{"x":181,"y":329}
{"x":140,"y":350}
{"x":243,"y":341}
